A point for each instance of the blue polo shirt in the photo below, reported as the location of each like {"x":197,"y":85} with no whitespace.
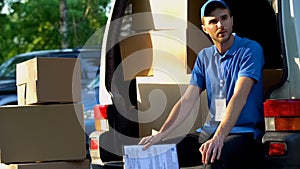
{"x":244,"y":58}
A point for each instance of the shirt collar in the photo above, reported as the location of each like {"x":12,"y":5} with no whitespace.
{"x":231,"y":51}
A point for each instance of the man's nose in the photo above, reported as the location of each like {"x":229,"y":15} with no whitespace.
{"x":219,"y":24}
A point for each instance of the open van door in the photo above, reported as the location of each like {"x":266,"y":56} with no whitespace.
{"x":282,"y":108}
{"x":140,"y":26}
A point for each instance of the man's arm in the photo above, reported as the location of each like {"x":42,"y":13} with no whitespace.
{"x":214,"y":146}
{"x":177,"y":115}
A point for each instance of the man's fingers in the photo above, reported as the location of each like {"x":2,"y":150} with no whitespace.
{"x":219,"y":153}
{"x":213,"y":155}
{"x":147,"y":146}
{"x":210,"y":151}
{"x":145,"y":140}
{"x":204,"y":151}
{"x":208,"y":155}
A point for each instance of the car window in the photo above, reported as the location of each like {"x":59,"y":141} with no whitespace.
{"x":94,"y":83}
{"x":8,"y":68}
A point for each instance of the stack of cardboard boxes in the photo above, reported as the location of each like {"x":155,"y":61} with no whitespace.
{"x":46,"y":129}
{"x":165,"y":39}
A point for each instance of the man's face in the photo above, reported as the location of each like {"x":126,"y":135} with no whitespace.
{"x":218,"y":25}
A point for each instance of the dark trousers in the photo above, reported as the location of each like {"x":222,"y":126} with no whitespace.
{"x":240,"y":151}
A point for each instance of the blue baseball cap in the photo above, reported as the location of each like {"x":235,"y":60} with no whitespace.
{"x":211,"y":5}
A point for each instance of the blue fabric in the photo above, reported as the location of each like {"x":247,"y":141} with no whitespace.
{"x":204,"y":7}
{"x":244,"y":58}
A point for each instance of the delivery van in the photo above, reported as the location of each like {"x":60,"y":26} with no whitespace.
{"x":148,"y":51}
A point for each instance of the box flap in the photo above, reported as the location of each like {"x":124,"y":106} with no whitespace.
{"x":26,"y":71}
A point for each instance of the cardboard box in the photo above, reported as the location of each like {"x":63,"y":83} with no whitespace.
{"x":42,"y":133}
{"x":44,"y":80}
{"x":137,"y":49}
{"x":156,"y":102}
{"x":166,"y":14}
{"x":271,"y":78}
{"x":85,"y":164}
{"x":161,"y":52}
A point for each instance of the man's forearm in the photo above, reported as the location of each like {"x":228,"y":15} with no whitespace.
{"x":235,"y":106}
{"x":178,"y":114}
{"x":181,"y":110}
{"x":233,"y":111}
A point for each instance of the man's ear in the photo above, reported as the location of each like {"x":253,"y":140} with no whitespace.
{"x":204,"y":29}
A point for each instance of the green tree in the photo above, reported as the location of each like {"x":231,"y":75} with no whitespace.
{"x":63,"y":21}
{"x":35,"y":24}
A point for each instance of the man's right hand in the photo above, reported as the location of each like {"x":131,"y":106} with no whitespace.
{"x":211,"y":149}
{"x":150,"y":140}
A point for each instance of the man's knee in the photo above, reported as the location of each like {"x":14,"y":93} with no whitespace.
{"x":239,"y":151}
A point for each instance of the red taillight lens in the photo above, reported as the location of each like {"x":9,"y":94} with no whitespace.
{"x":282,"y":108}
{"x":277,"y":149}
{"x":282,"y":114}
{"x":100,"y":111}
{"x":94,"y":144}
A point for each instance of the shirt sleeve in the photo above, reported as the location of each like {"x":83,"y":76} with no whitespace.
{"x":252,"y":61}
{"x":198,"y":73}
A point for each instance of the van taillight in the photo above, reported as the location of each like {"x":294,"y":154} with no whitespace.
{"x":282,"y":114}
{"x":282,"y":108}
{"x":94,"y":144}
{"x":100,"y":111}
{"x":282,"y":123}
{"x":277,"y":149}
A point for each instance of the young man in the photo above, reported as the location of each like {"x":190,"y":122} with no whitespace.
{"x":231,"y":73}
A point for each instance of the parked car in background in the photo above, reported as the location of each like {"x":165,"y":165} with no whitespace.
{"x":94,"y":85}
{"x":89,"y":59}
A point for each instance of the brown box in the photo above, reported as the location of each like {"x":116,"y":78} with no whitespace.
{"x":84,"y":164}
{"x":150,"y":52}
{"x":42,"y":133}
{"x":166,"y":14}
{"x":152,"y":117}
{"x":271,"y":78}
{"x":44,"y":80}
{"x":136,"y":53}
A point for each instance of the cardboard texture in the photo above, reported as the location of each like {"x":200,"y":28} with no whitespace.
{"x":136,"y":49}
{"x":175,"y":51}
{"x":163,"y":97}
{"x":161,"y":52}
{"x":167,"y":14}
{"x":44,"y":80}
{"x":271,"y":77}
{"x":84,"y":164}
{"x":32,"y":133}
{"x":173,"y":56}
